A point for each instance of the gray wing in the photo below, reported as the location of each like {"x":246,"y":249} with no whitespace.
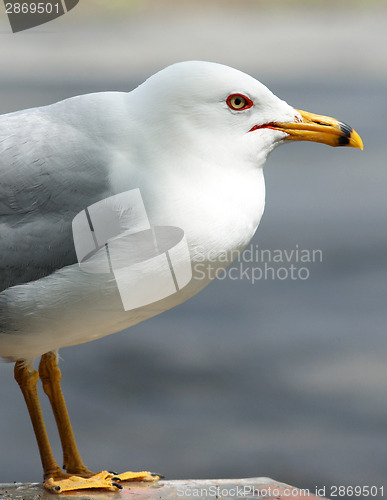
{"x":50,"y":169}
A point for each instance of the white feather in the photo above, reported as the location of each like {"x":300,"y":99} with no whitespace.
{"x":193,"y":158}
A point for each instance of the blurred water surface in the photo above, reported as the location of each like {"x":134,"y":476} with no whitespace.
{"x":283,"y":378}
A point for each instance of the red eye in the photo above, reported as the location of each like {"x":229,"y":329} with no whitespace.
{"x":239,"y":102}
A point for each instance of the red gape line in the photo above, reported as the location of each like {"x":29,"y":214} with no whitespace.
{"x":265,"y":125}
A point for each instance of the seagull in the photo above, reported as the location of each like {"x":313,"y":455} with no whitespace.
{"x":108,"y":203}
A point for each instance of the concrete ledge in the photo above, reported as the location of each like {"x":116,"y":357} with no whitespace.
{"x":255,"y":488}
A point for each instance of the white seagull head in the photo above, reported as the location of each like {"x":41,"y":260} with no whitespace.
{"x":228,"y":112}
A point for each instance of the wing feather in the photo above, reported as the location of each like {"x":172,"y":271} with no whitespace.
{"x":51,"y":168}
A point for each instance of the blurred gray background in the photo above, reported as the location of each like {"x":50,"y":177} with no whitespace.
{"x":286,"y":379}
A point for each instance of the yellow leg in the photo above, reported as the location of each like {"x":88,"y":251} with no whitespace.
{"x":78,"y":476}
{"x":50,"y":376}
{"x":27,"y":379}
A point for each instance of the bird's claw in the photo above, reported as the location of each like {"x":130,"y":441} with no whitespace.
{"x":156,"y":474}
{"x":60,"y":482}
{"x":145,"y":476}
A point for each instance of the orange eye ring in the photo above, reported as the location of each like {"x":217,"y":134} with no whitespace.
{"x":239,"y":102}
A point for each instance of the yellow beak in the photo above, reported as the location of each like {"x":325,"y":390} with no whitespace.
{"x":323,"y":129}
